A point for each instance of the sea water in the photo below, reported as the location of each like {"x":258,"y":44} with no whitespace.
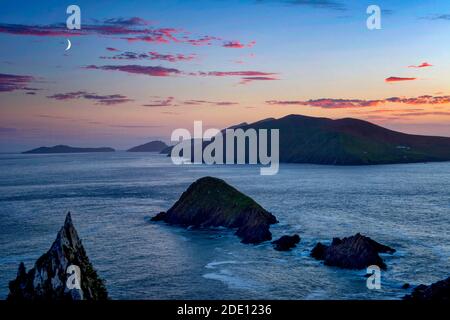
{"x":112,"y":197}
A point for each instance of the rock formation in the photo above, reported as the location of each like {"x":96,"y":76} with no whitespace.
{"x":211,"y":202}
{"x":49,"y":278}
{"x":438,"y":291}
{"x":355,"y":252}
{"x":286,"y":243}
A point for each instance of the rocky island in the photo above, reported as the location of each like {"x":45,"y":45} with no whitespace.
{"x":286,"y":243}
{"x":355,"y":252}
{"x":47,"y":279}
{"x":438,"y":291}
{"x":66,"y":149}
{"x":211,"y":202}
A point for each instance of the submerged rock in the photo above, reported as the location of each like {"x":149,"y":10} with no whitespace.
{"x":47,"y":280}
{"x":355,"y":252}
{"x":211,"y":202}
{"x":286,"y":243}
{"x":438,"y":291}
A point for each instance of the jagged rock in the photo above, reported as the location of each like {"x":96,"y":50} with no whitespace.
{"x":355,"y":252}
{"x":47,"y":280}
{"x":286,"y":243}
{"x":406,"y":286}
{"x":211,"y":202}
{"x":438,"y":291}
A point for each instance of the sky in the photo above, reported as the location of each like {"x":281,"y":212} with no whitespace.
{"x":137,"y":70}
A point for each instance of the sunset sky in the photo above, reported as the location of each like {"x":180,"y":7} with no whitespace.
{"x":139,"y":69}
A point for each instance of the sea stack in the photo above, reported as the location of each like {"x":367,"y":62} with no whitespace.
{"x":211,"y":202}
{"x":52,"y":279}
{"x":355,"y":252}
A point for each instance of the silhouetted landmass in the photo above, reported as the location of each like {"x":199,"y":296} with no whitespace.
{"x":348,"y":142}
{"x":211,"y":202}
{"x":355,"y":252}
{"x":47,"y":280}
{"x":66,"y":149}
{"x":153,"y":146}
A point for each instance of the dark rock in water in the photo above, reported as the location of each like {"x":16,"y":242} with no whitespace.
{"x":318,"y":252}
{"x":406,"y":286}
{"x":286,"y":243}
{"x":438,"y":291}
{"x":48,"y":279}
{"x":355,"y":252}
{"x":211,"y":202}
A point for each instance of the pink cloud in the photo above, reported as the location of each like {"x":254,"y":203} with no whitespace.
{"x":137,"y":69}
{"x":422,"y":65}
{"x":398,"y":79}
{"x":329,"y":103}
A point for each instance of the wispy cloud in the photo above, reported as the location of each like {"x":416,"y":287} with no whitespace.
{"x":238,"y":44}
{"x":131,"y":29}
{"x":106,"y":100}
{"x":158,"y":71}
{"x":172,"y":102}
{"x":12,"y":82}
{"x":154,"y":71}
{"x":129,"y":55}
{"x":330,"y":103}
{"x":160,"y":103}
{"x":422,"y":65}
{"x":321,"y":4}
{"x":442,"y":16}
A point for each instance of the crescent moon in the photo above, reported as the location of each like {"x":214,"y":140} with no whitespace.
{"x":69,"y":44}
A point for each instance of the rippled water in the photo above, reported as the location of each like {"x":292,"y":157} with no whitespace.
{"x":112,"y":196}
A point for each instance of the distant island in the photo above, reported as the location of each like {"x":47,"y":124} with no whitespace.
{"x":153,"y":146}
{"x":346,"y":141}
{"x":66,"y":149}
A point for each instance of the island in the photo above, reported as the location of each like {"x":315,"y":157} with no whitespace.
{"x":66,"y":149}
{"x":211,"y":202}
{"x":153,"y":146}
{"x":348,"y":141}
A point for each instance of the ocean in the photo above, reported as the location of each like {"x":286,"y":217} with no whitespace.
{"x":112,"y":197}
